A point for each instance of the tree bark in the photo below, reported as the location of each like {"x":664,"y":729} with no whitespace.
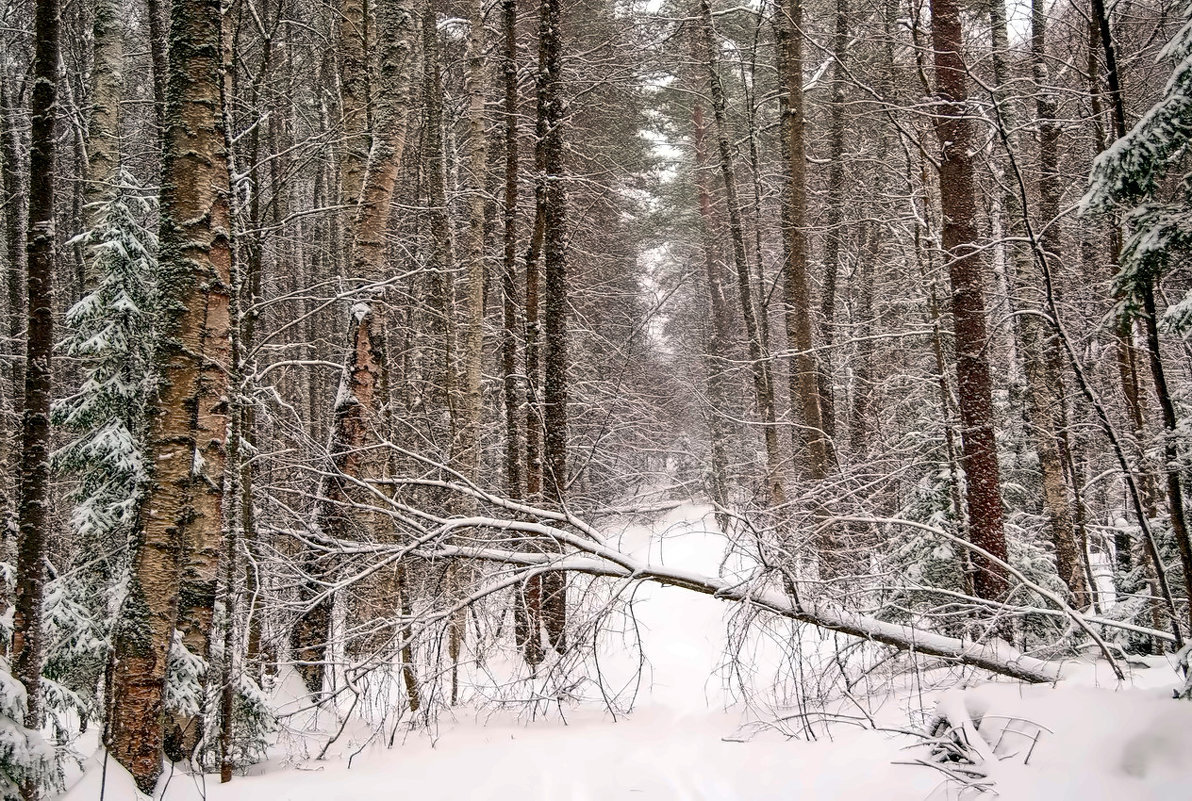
{"x":33,"y":504}
{"x":718,"y":334}
{"x":811,"y":437}
{"x":180,"y":532}
{"x":356,"y":414}
{"x":966,"y":269}
{"x":510,"y":382}
{"x":555,"y":301}
{"x":14,"y":258}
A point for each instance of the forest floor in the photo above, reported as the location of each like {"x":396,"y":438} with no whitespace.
{"x":1087,"y":738}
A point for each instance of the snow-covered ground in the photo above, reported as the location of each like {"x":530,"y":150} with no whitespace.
{"x":1096,"y":741}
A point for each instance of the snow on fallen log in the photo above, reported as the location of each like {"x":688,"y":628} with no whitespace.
{"x":597,"y":559}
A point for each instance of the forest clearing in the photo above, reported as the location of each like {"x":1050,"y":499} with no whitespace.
{"x":595,"y":398}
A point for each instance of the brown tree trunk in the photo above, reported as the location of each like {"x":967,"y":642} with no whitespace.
{"x":979,"y":450}
{"x":14,"y":263}
{"x":33,"y":504}
{"x":834,"y":239}
{"x":356,"y":414}
{"x":1175,"y":501}
{"x":160,"y":60}
{"x":512,"y":394}
{"x":554,"y":329}
{"x":180,"y":531}
{"x":808,"y":382}
{"x":1046,"y":385}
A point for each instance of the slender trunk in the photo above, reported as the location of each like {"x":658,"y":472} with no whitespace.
{"x":718,"y":331}
{"x":811,"y":437}
{"x":180,"y":529}
{"x":1048,"y":396}
{"x":1175,"y":501}
{"x":355,"y":106}
{"x":835,"y":219}
{"x":512,"y":396}
{"x":763,"y":383}
{"x":103,"y":134}
{"x":160,"y":60}
{"x":355,"y":416}
{"x":468,"y":442}
{"x":979,"y":459}
{"x":33,"y":499}
{"x":442,"y":395}
{"x":14,"y":262}
{"x":1171,"y":455}
{"x":554,"y":299}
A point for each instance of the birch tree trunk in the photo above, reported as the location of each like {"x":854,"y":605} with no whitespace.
{"x":180,"y":532}
{"x":103,"y":130}
{"x":356,"y":413}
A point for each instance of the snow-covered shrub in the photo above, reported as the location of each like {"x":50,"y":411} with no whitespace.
{"x":111,"y":333}
{"x":185,"y":686}
{"x":25,"y":756}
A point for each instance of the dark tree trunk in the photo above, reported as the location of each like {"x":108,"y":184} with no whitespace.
{"x":33,"y":505}
{"x":554,"y":298}
{"x":512,"y":394}
{"x":979,"y":450}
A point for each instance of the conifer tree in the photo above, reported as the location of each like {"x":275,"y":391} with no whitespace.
{"x":111,"y":333}
{"x":1147,"y":174}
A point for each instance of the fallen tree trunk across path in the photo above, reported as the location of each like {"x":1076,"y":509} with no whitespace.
{"x":996,"y":657}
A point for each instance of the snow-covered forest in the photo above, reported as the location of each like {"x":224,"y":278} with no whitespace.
{"x":670,"y":399}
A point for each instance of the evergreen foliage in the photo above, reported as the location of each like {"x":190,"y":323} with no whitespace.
{"x":25,"y":756}
{"x":1147,"y":174}
{"x":111,"y":331}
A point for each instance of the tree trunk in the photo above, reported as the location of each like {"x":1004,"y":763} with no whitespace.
{"x":1175,"y":501}
{"x":554,"y":329}
{"x":1043,"y":380}
{"x":808,"y":383}
{"x":356,"y":414}
{"x":979,"y":450}
{"x":103,"y":134}
{"x":33,"y":504}
{"x":834,"y":239}
{"x":512,"y":395}
{"x":14,"y":262}
{"x":443,"y":370}
{"x":180,"y":531}
{"x":355,"y":102}
{"x":718,"y":331}
{"x":160,"y":60}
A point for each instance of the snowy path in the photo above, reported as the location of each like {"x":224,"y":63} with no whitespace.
{"x":673,"y":745}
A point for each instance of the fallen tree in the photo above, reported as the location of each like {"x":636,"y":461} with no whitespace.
{"x":582,"y":549}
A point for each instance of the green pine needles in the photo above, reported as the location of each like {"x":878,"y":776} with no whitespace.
{"x":1148,"y":176}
